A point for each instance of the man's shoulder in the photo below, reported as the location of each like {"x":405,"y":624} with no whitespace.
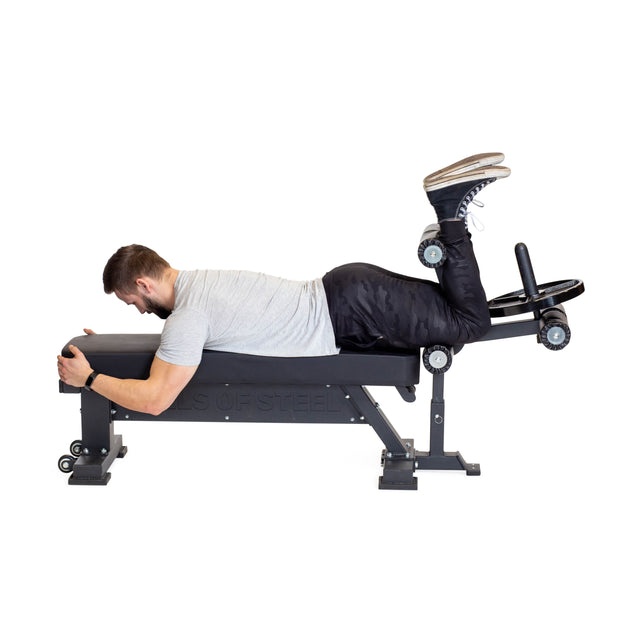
{"x":183,"y":316}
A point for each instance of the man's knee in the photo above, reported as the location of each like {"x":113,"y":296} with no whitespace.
{"x":480,"y":325}
{"x":472,"y":328}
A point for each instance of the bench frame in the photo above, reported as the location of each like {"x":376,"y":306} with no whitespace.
{"x":282,"y":403}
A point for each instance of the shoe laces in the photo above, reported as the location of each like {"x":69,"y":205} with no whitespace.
{"x":467,"y":215}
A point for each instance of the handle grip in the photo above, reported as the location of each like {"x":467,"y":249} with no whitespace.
{"x":526,"y":270}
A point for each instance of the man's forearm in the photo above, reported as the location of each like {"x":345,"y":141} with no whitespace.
{"x":136,"y":395}
{"x":153,"y":395}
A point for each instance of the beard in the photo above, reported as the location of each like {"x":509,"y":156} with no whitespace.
{"x":162,"y":312}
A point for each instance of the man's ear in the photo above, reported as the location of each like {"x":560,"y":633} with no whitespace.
{"x":144,"y":285}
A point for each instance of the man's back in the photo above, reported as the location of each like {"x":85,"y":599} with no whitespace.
{"x":246,"y":312}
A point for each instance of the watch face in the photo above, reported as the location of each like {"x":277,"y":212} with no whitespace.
{"x":90,"y":379}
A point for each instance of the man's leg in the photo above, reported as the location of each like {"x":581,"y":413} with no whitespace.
{"x":461,"y":284}
{"x":372,"y":307}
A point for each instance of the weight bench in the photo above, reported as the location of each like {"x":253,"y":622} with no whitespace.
{"x":231,"y":387}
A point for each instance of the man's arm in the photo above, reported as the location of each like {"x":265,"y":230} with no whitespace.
{"x":153,"y":395}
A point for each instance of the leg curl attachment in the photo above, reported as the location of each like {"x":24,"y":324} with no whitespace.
{"x":437,"y":359}
{"x":431,"y":252}
{"x":554,"y":328}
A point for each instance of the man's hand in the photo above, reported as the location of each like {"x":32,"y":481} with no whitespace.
{"x":153,"y":395}
{"x":74,"y":371}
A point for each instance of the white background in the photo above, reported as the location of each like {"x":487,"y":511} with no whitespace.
{"x":291,"y":137}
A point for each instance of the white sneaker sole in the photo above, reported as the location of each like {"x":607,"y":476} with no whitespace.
{"x":467,"y":164}
{"x":448,"y":180}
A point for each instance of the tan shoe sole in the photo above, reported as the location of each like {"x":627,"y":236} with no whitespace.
{"x":467,"y":164}
{"x":448,"y":180}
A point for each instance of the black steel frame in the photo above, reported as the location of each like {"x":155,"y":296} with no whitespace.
{"x":326,"y":404}
{"x":398,"y":468}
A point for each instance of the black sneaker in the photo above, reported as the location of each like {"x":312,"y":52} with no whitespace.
{"x":452,"y":192}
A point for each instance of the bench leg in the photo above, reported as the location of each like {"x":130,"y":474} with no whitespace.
{"x":399,"y":466}
{"x":100,"y":446}
{"x":398,"y":469}
{"x":437,"y":457}
{"x":398,"y":457}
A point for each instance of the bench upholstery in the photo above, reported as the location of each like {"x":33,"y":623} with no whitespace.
{"x":131,"y":355}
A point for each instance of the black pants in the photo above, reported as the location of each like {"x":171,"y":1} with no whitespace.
{"x":372,"y":307}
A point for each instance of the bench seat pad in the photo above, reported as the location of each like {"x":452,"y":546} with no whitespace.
{"x":130,"y":356}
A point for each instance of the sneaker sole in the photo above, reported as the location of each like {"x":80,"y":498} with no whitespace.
{"x":467,"y":164}
{"x":469,"y":176}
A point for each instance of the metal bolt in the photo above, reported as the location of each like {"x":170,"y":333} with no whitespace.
{"x":85,"y":451}
{"x":103,"y":451}
{"x":347,"y":397}
{"x":352,"y":419}
{"x":438,"y":419}
{"x":416,"y":465}
{"x":126,"y":416}
{"x":361,"y":417}
{"x":113,"y":412}
{"x":389,"y":454}
{"x":328,"y":386}
{"x":226,"y":417}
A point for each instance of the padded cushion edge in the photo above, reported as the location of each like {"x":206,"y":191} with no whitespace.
{"x":131,"y":355}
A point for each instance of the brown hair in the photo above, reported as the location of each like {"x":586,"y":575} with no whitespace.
{"x":128,"y":264}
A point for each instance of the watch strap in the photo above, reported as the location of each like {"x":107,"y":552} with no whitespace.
{"x":92,"y":376}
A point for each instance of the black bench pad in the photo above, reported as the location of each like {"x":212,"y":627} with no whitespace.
{"x":130,"y":356}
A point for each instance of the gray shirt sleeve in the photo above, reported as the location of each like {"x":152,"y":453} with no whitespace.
{"x":183,"y":337}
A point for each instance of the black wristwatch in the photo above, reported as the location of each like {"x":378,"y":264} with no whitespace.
{"x":92,"y":376}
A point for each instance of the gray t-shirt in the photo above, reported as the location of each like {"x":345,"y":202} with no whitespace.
{"x":246,"y":312}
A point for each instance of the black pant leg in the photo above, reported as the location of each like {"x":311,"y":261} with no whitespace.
{"x":462,"y":287}
{"x":373,"y":307}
